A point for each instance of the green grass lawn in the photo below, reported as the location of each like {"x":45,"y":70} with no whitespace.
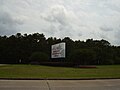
{"x":37,"y":71}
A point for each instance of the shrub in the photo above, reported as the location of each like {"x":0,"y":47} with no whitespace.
{"x":39,"y":57}
{"x":83,"y":56}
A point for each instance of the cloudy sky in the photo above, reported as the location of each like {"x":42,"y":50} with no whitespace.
{"x":77,"y":19}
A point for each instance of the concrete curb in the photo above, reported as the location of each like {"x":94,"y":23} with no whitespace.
{"x":56,"y":78}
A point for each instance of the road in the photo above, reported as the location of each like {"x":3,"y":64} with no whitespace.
{"x":111,"y":84}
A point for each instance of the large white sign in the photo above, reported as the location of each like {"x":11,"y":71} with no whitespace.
{"x":58,"y":50}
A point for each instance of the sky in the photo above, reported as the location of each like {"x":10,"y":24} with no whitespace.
{"x":77,"y":19}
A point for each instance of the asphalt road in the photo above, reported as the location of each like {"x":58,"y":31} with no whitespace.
{"x":111,"y":84}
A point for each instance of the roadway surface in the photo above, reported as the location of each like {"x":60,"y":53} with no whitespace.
{"x":110,"y":84}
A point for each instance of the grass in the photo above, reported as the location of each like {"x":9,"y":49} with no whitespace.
{"x":37,"y":71}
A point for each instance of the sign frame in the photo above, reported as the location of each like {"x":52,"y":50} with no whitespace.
{"x":58,"y":50}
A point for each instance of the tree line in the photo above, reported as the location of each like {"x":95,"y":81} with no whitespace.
{"x":36,"y":47}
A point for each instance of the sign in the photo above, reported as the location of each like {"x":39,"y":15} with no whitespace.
{"x":58,"y":50}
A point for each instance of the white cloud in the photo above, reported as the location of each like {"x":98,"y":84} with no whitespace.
{"x":63,"y":22}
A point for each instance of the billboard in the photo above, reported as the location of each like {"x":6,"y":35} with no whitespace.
{"x":58,"y":50}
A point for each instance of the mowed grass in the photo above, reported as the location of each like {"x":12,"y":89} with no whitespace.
{"x":37,"y":71}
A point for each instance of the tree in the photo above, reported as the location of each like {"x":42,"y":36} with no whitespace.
{"x":16,"y":47}
{"x":69,"y":46}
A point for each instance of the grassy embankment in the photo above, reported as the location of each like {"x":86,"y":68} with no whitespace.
{"x":37,"y":71}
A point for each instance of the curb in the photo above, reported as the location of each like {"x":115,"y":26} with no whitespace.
{"x":56,"y":78}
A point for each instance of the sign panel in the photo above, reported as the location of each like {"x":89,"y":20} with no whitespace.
{"x":58,"y":50}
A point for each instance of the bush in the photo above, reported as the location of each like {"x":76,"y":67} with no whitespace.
{"x":117,"y":60}
{"x":38,"y":57}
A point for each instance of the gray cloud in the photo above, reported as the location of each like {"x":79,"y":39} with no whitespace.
{"x":117,"y":37}
{"x":106,"y":29}
{"x":8,"y":24}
